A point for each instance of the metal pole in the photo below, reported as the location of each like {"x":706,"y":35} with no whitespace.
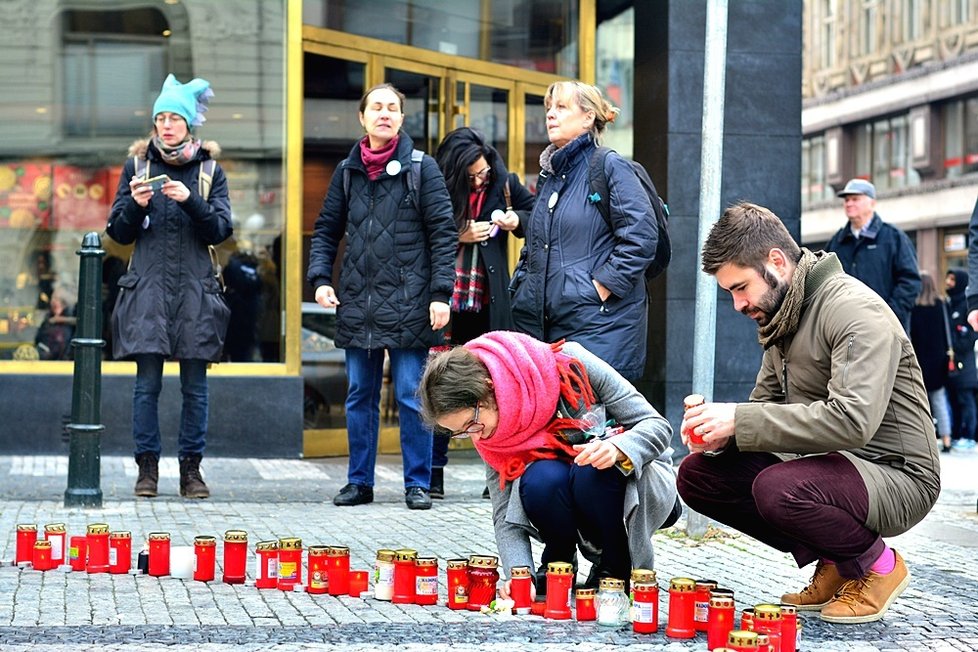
{"x":84,"y":481}
{"x":711,"y":154}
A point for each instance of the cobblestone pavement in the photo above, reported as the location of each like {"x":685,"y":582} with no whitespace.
{"x":278,"y":498}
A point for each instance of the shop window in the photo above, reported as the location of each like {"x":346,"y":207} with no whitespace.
{"x":615,"y":48}
{"x":960,"y":126}
{"x":814,"y":186}
{"x":882,"y":153}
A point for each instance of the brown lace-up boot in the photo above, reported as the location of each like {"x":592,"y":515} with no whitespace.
{"x":819,"y":592}
{"x":866,"y":600}
{"x":149,"y":475}
{"x":191,"y":483}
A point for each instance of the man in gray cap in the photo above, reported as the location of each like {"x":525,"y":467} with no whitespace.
{"x":878,"y":254}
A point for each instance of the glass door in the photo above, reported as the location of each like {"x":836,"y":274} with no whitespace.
{"x":424,"y":119}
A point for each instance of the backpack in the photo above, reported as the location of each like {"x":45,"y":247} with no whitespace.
{"x":600,"y":196}
{"x":205,"y":174}
{"x":413,"y":176}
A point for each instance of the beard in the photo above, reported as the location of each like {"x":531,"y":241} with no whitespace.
{"x":768,"y":305}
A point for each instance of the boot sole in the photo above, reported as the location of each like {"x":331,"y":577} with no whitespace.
{"x":147,"y":494}
{"x":869,"y":618}
{"x":809,"y":607}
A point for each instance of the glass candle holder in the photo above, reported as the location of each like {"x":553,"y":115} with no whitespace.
{"x":483,"y":576}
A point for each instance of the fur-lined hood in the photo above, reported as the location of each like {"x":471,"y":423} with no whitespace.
{"x":140,"y":146}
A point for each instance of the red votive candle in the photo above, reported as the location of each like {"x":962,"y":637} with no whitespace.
{"x":319,"y":579}
{"x":457,"y":578}
{"x":740,"y":640}
{"x":159,"y":554}
{"x":338,"y":569}
{"x":681,"y":595}
{"x":235,"y":556}
{"x":584,"y":607}
{"x":483,"y":576}
{"x":120,"y":552}
{"x":358,"y":582}
{"x":767,"y":620}
{"x":645,"y":608}
{"x":41,"y":556}
{"x":205,"y":555}
{"x":98,"y":548}
{"x":289,"y":563}
{"x":560,"y":577}
{"x":58,"y":536}
{"x":266,"y":558}
{"x":720,"y":621}
{"x":26,"y":536}
{"x":520,"y":579}
{"x":701,"y":603}
{"x":789,"y":628}
{"x":426,"y":581}
{"x":405,"y":584}
{"x":78,"y":552}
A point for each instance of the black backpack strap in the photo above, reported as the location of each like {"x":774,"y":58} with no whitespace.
{"x":598,"y":191}
{"x":414,"y":178}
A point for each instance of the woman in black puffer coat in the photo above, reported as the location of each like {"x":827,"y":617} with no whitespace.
{"x":961,"y":386}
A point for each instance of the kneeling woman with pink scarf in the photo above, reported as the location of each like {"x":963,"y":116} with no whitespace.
{"x":607,"y":496}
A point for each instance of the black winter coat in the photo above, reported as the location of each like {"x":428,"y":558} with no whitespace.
{"x":169,"y":302}
{"x":398,"y":258}
{"x":883,"y":258}
{"x":569,"y":244}
{"x":962,"y":336}
{"x":929,"y":338}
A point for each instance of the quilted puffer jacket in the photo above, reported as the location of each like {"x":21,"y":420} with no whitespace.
{"x":399,"y":256}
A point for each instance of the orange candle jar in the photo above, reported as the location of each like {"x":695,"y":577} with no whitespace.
{"x":266,"y":559}
{"x":26,"y":536}
{"x":584,"y":606}
{"x":319,"y":578}
{"x":159,"y":554}
{"x":120,"y":552}
{"x":77,"y":552}
{"x":98,"y":548}
{"x":681,"y":595}
{"x":426,"y":581}
{"x":692,"y":401}
{"x":560,"y":577}
{"x":58,"y":536}
{"x":289,"y":563}
{"x":384,"y":575}
{"x":358,"y":583}
{"x":235,"y":556}
{"x":645,"y":608}
{"x":405,"y":583}
{"x":767,"y":620}
{"x":41,"y":556}
{"x":483,"y":576}
{"x":720,"y":620}
{"x":789,"y":628}
{"x":701,"y":603}
{"x":205,"y":554}
{"x":742,"y":641}
{"x":520,"y":579}
{"x":338,"y":568}
{"x":457,"y":572}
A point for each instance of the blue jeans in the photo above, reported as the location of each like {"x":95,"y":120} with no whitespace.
{"x":365,"y":373}
{"x":562,"y":499}
{"x":145,"y":405}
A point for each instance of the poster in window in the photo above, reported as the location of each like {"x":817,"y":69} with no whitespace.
{"x":25,"y":195}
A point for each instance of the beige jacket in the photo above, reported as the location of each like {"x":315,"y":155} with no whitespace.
{"x":848,"y":381}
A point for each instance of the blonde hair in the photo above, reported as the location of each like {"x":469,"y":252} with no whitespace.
{"x":589,"y":98}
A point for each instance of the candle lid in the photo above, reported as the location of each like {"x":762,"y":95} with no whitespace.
{"x":267,"y":545}
{"x":718,"y":591}
{"x":98,"y":528}
{"x":405,"y":554}
{"x":54,"y":527}
{"x":42,"y":543}
{"x":643,"y":575}
{"x":455,"y":564}
{"x":742,"y":637}
{"x":159,"y":536}
{"x":483,"y":561}
{"x":426,"y":562}
{"x":386,"y":555}
{"x":611,"y":584}
{"x":290,"y":543}
{"x":122,"y":534}
{"x":693,"y":400}
{"x":584,"y":594}
{"x":788,"y":610}
{"x":26,"y":527}
{"x":318,"y":551}
{"x":338,"y":551}
{"x":560,"y":568}
{"x":643,"y":586}
{"x":707,"y":585}
{"x":519,"y":571}
{"x":205,"y":541}
{"x":721,"y":601}
{"x":763,"y":640}
{"x":235,"y":536}
{"x":767,"y":612}
{"x":682,"y":584}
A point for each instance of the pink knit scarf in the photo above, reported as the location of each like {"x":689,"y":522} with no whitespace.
{"x":528,"y":378}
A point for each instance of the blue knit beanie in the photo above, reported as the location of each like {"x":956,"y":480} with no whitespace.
{"x":186,"y":100}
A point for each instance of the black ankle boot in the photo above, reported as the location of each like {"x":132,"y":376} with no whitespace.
{"x":437,"y":483}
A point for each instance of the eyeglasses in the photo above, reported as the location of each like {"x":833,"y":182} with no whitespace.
{"x":473,"y":427}
{"x":481,"y":175}
{"x":173,"y":118}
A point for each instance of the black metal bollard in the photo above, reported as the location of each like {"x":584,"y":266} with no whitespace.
{"x":84,"y":459}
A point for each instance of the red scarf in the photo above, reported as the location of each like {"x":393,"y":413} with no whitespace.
{"x":376,"y":159}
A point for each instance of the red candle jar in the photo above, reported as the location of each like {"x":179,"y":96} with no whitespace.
{"x":681,"y":593}
{"x":747,"y":619}
{"x":767,"y":620}
{"x":483,"y":576}
{"x":120,"y":552}
{"x":289,"y":563}
{"x":584,"y":605}
{"x":426,"y":581}
{"x":701,"y":603}
{"x":26,"y":536}
{"x":692,"y":401}
{"x":159,"y":554}
{"x":235,"y":556}
{"x":58,"y":536}
{"x":266,"y":555}
{"x":560,"y":577}
{"x":645,"y":608}
{"x":41,"y":556}
{"x":520,"y":579}
{"x":457,"y":578}
{"x":319,"y":579}
{"x":358,"y":583}
{"x":98,"y":548}
{"x":77,"y":553}
{"x":384,"y":575}
{"x":405,"y":583}
{"x":205,"y":552}
{"x":742,"y":641}
{"x":338,"y":568}
{"x":720,"y":620}
{"x":789,"y":628}
{"x":764,"y":642}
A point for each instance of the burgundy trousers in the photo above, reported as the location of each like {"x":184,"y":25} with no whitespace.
{"x":812,"y":507}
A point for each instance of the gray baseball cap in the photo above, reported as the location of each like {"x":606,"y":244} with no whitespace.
{"x":858,"y":187}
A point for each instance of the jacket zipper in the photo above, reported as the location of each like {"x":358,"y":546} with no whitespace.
{"x":845,"y":370}
{"x":368,"y":323}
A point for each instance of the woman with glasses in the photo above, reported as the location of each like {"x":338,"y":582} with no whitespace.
{"x":487,"y":202}
{"x":520,"y":401}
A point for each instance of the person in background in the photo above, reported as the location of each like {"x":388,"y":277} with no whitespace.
{"x":488,"y":203}
{"x":877,"y":253}
{"x":583,"y":277}
{"x":835,"y":448}
{"x":169,"y":304}
{"x":930,"y":335}
{"x":961,"y":386}
{"x":394,"y":288}
{"x":607,"y":495}
{"x":53,"y":338}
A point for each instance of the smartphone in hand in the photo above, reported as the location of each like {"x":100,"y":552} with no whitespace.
{"x":156,"y":183}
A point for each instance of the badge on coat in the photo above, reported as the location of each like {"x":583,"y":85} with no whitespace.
{"x":553,"y":200}
{"x":393,"y":167}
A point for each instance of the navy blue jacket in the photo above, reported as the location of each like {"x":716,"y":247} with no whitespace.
{"x":569,"y":244}
{"x":398,"y":259}
{"x":962,"y":335}
{"x":884,"y":259}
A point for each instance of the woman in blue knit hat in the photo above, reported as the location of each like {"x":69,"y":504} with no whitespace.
{"x":172,"y":203}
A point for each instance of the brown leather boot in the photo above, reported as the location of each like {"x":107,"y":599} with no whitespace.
{"x":819,"y":592}
{"x":149,"y":475}
{"x":866,"y":600}
{"x":191,"y":483}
